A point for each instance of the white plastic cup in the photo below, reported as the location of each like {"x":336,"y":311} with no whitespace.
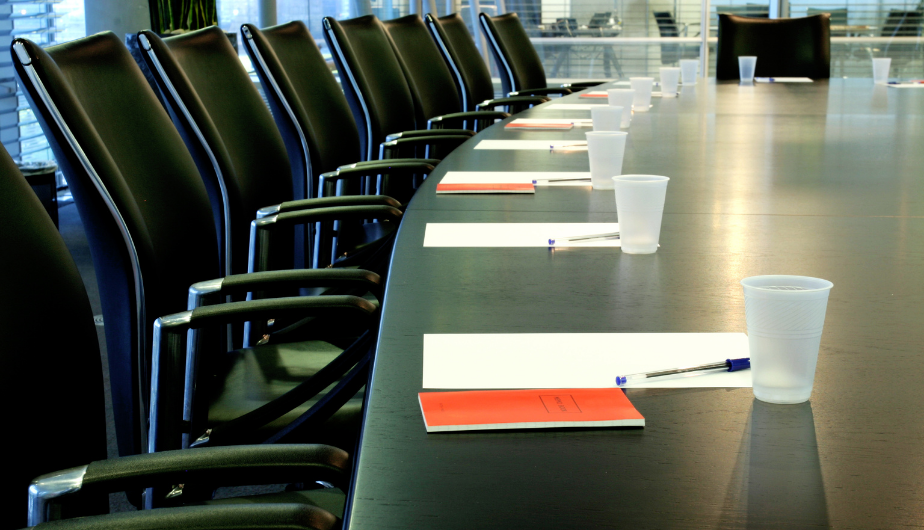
{"x":622,"y":97}
{"x":746,"y":66}
{"x":688,"y":68}
{"x":605,"y":150}
{"x":785,"y":316}
{"x":640,"y":206}
{"x":881,"y":70}
{"x":642,"y":87}
{"x":606,"y":118}
{"x":670,"y":76}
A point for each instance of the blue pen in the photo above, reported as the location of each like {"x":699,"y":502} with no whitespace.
{"x":728,"y":365}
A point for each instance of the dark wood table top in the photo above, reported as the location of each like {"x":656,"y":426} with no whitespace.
{"x":820,"y":179}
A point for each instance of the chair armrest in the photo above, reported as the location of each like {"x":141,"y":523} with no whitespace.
{"x":386,"y":163}
{"x":392,"y":148}
{"x":514,"y":104}
{"x":330,"y":202}
{"x":429,"y":132}
{"x":335,"y":213}
{"x":258,"y":259}
{"x":290,"y":516}
{"x":541,"y":92}
{"x":408,"y":167}
{"x":581,"y":85}
{"x":459,"y":120}
{"x":227,"y":466}
{"x":214,"y":290}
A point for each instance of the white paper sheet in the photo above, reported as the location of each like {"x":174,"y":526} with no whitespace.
{"x":515,"y":234}
{"x":906,"y":85}
{"x":783,"y":80}
{"x":574,"y":106}
{"x":577,"y":360}
{"x":578,"y":122}
{"x":534,"y":145}
{"x":516,"y":177}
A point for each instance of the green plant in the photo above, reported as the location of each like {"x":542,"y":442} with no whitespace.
{"x":173,"y":16}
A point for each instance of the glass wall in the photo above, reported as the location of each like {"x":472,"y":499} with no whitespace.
{"x":45,"y":23}
{"x":591,"y":39}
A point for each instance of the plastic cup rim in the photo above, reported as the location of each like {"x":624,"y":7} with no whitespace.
{"x":606,"y":133}
{"x":641,"y":178}
{"x":780,"y":278}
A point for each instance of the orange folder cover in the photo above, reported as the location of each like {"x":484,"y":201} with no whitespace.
{"x":536,"y":125}
{"x":486,"y":188}
{"x":475,"y":410}
{"x":595,"y":95}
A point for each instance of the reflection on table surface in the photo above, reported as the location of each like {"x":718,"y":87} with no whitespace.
{"x":820,"y":179}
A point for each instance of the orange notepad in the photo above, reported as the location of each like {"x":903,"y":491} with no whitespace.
{"x":540,"y":126}
{"x":527,"y":409}
{"x":486,"y":188}
{"x":597,"y":94}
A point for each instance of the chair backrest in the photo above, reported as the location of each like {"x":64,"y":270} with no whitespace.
{"x":567,"y":26}
{"x":141,"y":199}
{"x":603,"y":20}
{"x":456,"y":45}
{"x":749,"y":10}
{"x":900,"y":23}
{"x":308,"y":105}
{"x":667,"y":26}
{"x":372,"y":80}
{"x":429,"y":78}
{"x":229,"y":131}
{"x":51,"y":361}
{"x":517,"y":61}
{"x":789,"y":47}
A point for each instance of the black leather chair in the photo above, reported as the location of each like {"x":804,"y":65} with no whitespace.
{"x":311,"y":111}
{"x":244,"y":161}
{"x":378,"y":92}
{"x":149,"y":223}
{"x":788,"y":47}
{"x":471,"y":76}
{"x":520,"y":67}
{"x":436,"y":100}
{"x":50,"y":349}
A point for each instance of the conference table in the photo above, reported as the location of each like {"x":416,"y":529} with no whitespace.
{"x":821,"y":179}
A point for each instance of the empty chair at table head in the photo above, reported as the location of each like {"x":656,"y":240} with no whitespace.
{"x":794,"y":47}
